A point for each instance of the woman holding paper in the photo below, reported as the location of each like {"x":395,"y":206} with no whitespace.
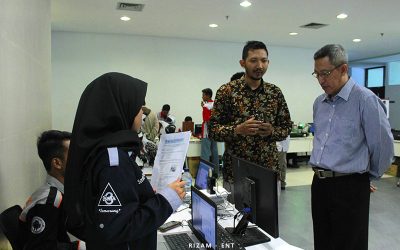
{"x":104,"y":187}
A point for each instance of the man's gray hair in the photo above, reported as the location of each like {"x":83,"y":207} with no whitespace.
{"x":335,"y":52}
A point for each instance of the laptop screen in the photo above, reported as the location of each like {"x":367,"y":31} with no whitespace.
{"x":202,"y":174}
{"x":204,"y":218}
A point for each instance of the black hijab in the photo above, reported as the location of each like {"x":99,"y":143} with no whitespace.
{"x":104,"y":118}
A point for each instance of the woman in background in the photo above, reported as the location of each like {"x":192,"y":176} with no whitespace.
{"x":150,"y":126}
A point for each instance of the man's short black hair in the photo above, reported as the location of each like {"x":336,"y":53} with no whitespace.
{"x":50,"y":145}
{"x":236,"y":76}
{"x":188,"y":119}
{"x":166,"y":107}
{"x":207,"y":92}
{"x":252,"y":45}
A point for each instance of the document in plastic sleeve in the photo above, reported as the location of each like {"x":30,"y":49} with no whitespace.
{"x":170,"y":157}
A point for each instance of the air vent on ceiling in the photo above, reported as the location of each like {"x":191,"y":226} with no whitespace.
{"x":130,"y":6}
{"x":314,"y":25}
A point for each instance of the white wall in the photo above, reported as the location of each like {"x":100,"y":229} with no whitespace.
{"x":176,"y":70}
{"x":25,"y":103}
{"x":392,"y":92}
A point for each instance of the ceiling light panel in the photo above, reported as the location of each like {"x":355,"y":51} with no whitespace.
{"x":245,"y":3}
{"x":125,"y":18}
{"x":341,"y":16}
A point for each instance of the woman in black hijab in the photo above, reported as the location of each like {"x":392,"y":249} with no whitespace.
{"x":105,"y":190}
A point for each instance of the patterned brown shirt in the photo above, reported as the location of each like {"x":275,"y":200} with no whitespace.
{"x":236,"y":102}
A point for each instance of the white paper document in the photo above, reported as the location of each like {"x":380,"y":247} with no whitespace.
{"x":171,"y":155}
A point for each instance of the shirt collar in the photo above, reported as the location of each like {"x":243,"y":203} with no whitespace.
{"x":55,"y":183}
{"x":344,"y":93}
{"x":245,"y":86}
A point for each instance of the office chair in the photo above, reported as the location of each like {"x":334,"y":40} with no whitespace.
{"x":9,"y":223}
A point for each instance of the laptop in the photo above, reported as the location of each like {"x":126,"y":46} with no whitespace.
{"x":202,"y":174}
{"x":209,"y":234}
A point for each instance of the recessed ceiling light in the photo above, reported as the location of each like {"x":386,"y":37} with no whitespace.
{"x":213,"y":25}
{"x":125,"y":18}
{"x":341,"y":16}
{"x":357,"y":40}
{"x":293,"y":33}
{"x":245,"y":3}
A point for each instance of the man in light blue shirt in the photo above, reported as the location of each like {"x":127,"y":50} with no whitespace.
{"x":352,"y":144}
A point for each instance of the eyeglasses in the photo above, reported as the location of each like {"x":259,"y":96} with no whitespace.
{"x":324,"y":73}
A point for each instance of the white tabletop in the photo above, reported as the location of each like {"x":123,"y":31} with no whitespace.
{"x":183,"y":215}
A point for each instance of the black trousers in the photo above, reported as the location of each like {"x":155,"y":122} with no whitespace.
{"x":340,"y":212}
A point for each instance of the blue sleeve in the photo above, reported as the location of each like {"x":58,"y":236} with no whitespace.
{"x":172,"y":197}
{"x":378,"y":136}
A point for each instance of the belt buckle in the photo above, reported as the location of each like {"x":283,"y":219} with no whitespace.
{"x":319,"y":173}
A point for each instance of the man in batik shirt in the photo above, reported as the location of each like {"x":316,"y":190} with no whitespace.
{"x":250,"y":115}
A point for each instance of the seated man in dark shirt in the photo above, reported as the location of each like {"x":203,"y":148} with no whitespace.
{"x":43,"y":219}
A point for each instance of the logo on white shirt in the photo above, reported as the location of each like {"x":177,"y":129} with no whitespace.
{"x":38,"y":225}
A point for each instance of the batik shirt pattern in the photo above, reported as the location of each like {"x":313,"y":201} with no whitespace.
{"x":235,"y":103}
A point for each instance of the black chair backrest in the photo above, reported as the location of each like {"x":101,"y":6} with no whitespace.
{"x":9,"y":223}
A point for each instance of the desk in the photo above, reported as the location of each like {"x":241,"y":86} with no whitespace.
{"x":195,"y":148}
{"x":275,"y":243}
{"x":194,"y":152}
{"x":396,"y":148}
{"x":300,"y":144}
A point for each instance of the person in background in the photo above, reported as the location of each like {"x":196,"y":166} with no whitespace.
{"x":282,"y":147}
{"x":43,"y":219}
{"x":250,"y":115}
{"x":150,"y":138}
{"x":150,"y":125}
{"x":352,"y":145}
{"x":164,"y":114}
{"x":167,"y":126}
{"x":209,"y":149}
{"x":120,"y":209}
{"x":237,"y":76}
{"x":187,"y":119}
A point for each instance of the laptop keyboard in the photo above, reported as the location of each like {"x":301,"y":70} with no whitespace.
{"x":180,"y":241}
{"x":225,"y":239}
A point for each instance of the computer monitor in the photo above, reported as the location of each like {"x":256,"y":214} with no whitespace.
{"x":256,"y":187}
{"x":188,"y":126}
{"x":205,"y":227}
{"x":197,"y":129}
{"x":202,"y":174}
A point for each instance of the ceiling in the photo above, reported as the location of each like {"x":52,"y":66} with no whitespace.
{"x":375,"y":22}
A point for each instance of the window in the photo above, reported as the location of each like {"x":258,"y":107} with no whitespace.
{"x":358,"y":74}
{"x":375,"y":79}
{"x":375,"y":76}
{"x":394,"y":73}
